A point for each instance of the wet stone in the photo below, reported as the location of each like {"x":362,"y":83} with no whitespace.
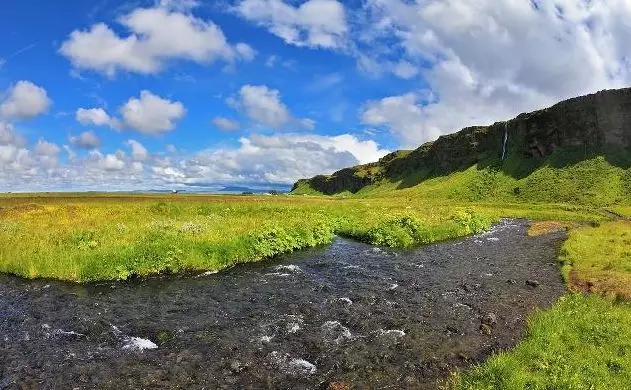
{"x":533,"y":283}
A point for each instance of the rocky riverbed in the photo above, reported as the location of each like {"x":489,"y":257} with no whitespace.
{"x":344,"y":316}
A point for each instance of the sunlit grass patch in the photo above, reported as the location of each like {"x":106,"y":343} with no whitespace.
{"x":598,"y":259}
{"x":101,"y":237}
{"x":583,"y":342}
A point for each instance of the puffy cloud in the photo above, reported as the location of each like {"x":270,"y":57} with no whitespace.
{"x":152,"y":115}
{"x":110,"y":162}
{"x":8,"y":136}
{"x":245,"y":51}
{"x":226,"y":124}
{"x":25,"y":100}
{"x":96,"y":116}
{"x":403,"y":116}
{"x":45,"y":148}
{"x":280,"y":159}
{"x":263,"y":106}
{"x":489,"y":60}
{"x":405,"y":70}
{"x":157,"y":34}
{"x":138,"y":151}
{"x":85,"y":140}
{"x":314,"y":23}
{"x":258,"y":159}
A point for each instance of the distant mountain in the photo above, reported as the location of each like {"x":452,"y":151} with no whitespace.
{"x":253,"y":190}
{"x":578,"y":150}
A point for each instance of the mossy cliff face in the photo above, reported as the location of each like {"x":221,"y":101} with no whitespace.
{"x":589,"y":124}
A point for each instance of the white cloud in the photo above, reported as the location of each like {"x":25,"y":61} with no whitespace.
{"x":8,"y":136}
{"x":151,"y":114}
{"x":45,"y":148}
{"x":263,"y":106}
{"x":314,"y":23}
{"x":111,"y":162}
{"x":405,"y":70}
{"x":403,"y":116}
{"x":258,"y":159}
{"x":85,"y":140}
{"x":25,"y":100}
{"x":280,"y":159}
{"x":245,"y":51}
{"x":489,"y":60}
{"x":96,"y":116}
{"x":138,"y":151}
{"x":226,"y":124}
{"x":157,"y":35}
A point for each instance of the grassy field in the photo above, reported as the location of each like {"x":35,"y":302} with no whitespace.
{"x":584,"y":342}
{"x":104,"y":237}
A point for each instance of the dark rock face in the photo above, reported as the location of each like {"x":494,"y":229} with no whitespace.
{"x":590,"y":122}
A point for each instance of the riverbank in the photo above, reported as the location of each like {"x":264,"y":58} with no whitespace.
{"x":584,"y":342}
{"x":106,"y":237}
{"x":347,"y":315}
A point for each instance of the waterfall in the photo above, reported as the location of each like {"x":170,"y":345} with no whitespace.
{"x":505,"y":140}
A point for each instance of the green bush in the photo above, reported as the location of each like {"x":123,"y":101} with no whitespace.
{"x":470,"y":221}
{"x":400,"y":232}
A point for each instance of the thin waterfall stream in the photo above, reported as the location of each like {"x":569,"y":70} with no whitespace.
{"x":505,"y":140}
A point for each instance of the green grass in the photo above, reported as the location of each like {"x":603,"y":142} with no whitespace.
{"x":594,"y":182}
{"x":599,"y":259}
{"x":581,"y":343}
{"x":104,"y":237}
{"x":584,"y":341}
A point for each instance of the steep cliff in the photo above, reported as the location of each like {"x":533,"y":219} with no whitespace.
{"x":576,"y":129}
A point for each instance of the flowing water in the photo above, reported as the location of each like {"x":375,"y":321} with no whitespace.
{"x":344,"y":315}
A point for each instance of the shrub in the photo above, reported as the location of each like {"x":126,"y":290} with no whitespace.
{"x":470,"y":221}
{"x":400,"y":232}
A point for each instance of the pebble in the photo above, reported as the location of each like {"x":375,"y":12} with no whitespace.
{"x":533,"y":283}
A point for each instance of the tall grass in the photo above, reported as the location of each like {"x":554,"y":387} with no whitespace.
{"x":87,"y":238}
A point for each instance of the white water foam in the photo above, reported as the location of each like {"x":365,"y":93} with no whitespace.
{"x":336,"y":332}
{"x":139,"y":344}
{"x":133,"y":343}
{"x":293,"y":366}
{"x":391,"y":332}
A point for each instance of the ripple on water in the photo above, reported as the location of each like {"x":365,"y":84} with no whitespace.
{"x":334,"y":331}
{"x":292,"y":366}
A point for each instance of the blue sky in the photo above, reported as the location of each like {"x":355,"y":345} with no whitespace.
{"x":117,"y":94}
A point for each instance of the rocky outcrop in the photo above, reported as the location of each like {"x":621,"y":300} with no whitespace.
{"x":589,"y":122}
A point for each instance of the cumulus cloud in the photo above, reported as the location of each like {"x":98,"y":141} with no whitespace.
{"x":489,"y":60}
{"x":264,"y":106}
{"x":97,"y":117}
{"x":8,"y":136}
{"x":405,"y":70}
{"x":226,"y":124}
{"x":403,"y":115}
{"x":138,"y":151}
{"x":111,"y":162}
{"x":156,"y":35}
{"x":25,"y":100}
{"x":151,"y":114}
{"x":245,"y":51}
{"x":281,"y":158}
{"x":314,"y":23}
{"x":85,"y":140}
